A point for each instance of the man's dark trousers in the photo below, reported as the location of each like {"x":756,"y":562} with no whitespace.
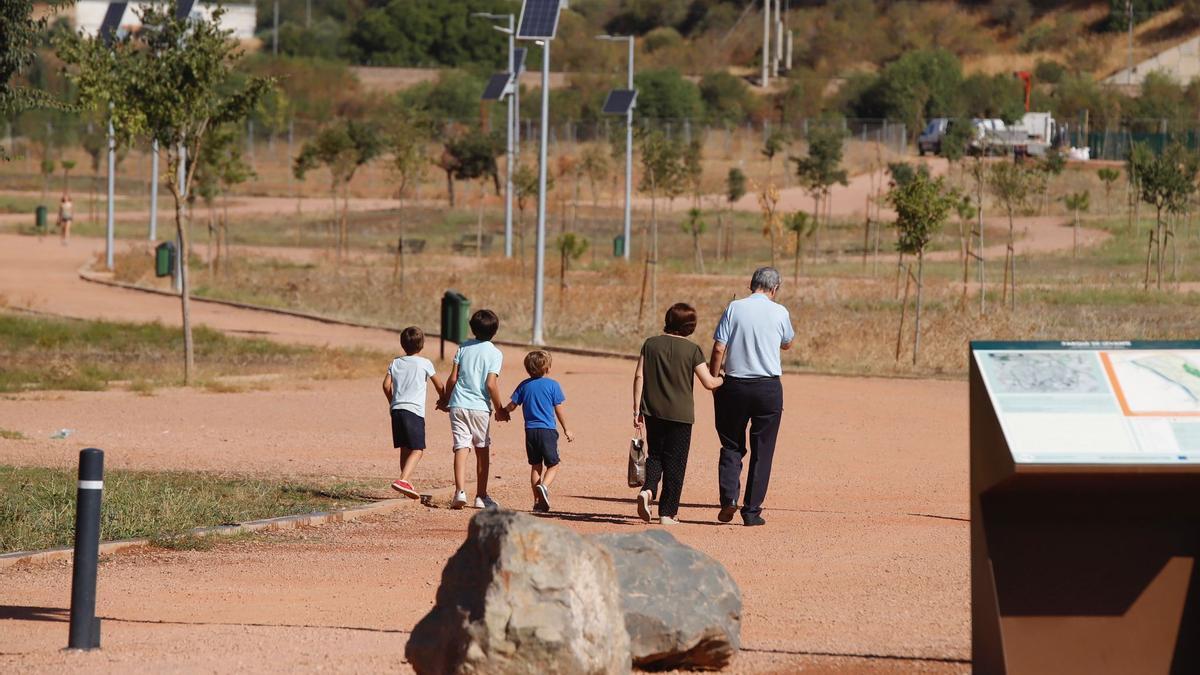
{"x":759,"y":403}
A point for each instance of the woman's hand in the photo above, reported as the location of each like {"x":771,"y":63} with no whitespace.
{"x":638,"y":420}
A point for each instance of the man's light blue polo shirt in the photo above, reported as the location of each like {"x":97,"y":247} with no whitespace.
{"x":752,"y":330}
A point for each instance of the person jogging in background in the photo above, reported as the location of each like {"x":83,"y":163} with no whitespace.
{"x":746,"y":349}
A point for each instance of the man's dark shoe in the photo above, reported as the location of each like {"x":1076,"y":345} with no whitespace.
{"x":726,"y":514}
{"x":754,"y":520}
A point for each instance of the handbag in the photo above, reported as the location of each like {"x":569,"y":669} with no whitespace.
{"x":637,"y":462}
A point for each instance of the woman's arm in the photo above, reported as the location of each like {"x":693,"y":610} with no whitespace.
{"x":706,"y":377}
{"x":637,"y":392}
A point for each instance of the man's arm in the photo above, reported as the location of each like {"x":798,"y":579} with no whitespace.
{"x":493,"y":387}
{"x":387,"y":386}
{"x":717,"y":360}
{"x":562,"y":420}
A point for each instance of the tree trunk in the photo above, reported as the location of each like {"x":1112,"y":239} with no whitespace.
{"x":917,"y":318}
{"x":1075,"y":237}
{"x":211,"y":227}
{"x":699,"y":253}
{"x":185,"y":290}
{"x":796,"y":261}
{"x":346,"y":218}
{"x":479,"y":221}
{"x":903,"y":309}
{"x":450,"y":187}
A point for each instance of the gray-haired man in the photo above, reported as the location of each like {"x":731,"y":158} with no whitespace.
{"x":746,"y":344}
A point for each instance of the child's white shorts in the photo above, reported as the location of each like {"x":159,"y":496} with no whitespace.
{"x":470,"y":428}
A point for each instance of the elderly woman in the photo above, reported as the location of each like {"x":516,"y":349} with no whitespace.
{"x":663,"y":404}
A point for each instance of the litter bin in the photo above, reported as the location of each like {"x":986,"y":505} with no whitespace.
{"x":619,"y":246}
{"x":164,"y":259}
{"x":456,"y":313}
{"x":40,"y":218}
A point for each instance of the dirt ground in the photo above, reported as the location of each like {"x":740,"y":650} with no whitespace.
{"x":863,"y":566}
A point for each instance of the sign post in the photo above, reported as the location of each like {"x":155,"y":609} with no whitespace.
{"x":1085,"y":521}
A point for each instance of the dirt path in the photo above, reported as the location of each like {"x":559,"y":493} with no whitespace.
{"x":865,"y":553}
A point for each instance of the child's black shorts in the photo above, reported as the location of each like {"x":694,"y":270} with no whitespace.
{"x":541,"y":446}
{"x":408,"y":430}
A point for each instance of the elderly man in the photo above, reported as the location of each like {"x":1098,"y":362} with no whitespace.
{"x":746,"y":344}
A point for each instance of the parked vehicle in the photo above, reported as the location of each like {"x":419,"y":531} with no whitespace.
{"x":930,"y":140}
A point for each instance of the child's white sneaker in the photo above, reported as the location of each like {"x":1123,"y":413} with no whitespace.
{"x":460,"y":500}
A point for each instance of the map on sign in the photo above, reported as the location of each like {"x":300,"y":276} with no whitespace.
{"x":1118,"y":404}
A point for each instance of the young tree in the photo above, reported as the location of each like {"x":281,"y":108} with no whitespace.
{"x":1049,"y":167}
{"x":342,"y":148}
{"x":570,"y":247}
{"x":768,"y":204}
{"x":695,"y":226}
{"x":662,"y":175}
{"x":525,"y":187}
{"x":67,"y":166}
{"x":1108,"y":175}
{"x":1166,"y":181}
{"x":594,"y":163}
{"x":922,"y":207}
{"x":23,"y":34}
{"x":775,"y":143}
{"x":821,"y":169}
{"x":735,"y":189}
{"x":1076,"y":202}
{"x":801,"y":225}
{"x":408,"y":139}
{"x":172,"y":81}
{"x":221,"y":168}
{"x":966,"y":212}
{"x":48,"y":168}
{"x":1011,"y":184}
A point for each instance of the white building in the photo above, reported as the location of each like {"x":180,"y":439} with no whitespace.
{"x":240,"y":18}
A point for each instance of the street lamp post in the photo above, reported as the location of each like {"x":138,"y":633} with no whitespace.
{"x":628,"y":143}
{"x":509,"y":133}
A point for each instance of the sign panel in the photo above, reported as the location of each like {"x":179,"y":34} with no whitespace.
{"x":1095,"y":402}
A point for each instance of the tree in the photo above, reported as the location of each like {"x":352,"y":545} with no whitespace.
{"x":1050,"y":166}
{"x":172,"y":81}
{"x":594,"y":163}
{"x":1011,"y":184}
{"x":1166,"y":181}
{"x":821,"y":169}
{"x":965,"y":210}
{"x":23,"y":34}
{"x":1108,"y":175}
{"x":67,"y":166}
{"x":570,"y":247}
{"x":727,"y":98}
{"x":922,"y":207}
{"x":775,"y":143}
{"x":1076,"y":202}
{"x":407,"y":139}
{"x":220,"y":168}
{"x":768,"y":204}
{"x":48,"y":167}
{"x":470,"y":155}
{"x":342,"y":148}
{"x":695,"y":226}
{"x":662,"y":175}
{"x":525,"y":187}
{"x":802,"y":226}
{"x":667,"y":95}
{"x":735,"y":189}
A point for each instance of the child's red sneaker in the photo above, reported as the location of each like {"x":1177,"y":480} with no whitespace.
{"x":406,"y":488}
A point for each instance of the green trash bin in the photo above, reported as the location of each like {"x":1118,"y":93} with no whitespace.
{"x":41,"y":218}
{"x":164,"y":259}
{"x":619,"y":246}
{"x":456,"y":314}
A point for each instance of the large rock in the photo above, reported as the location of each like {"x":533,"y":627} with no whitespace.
{"x":523,"y":595}
{"x":682,"y":609}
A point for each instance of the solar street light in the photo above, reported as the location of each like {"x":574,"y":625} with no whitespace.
{"x":628,"y":111}
{"x":512,"y":132}
{"x":539,"y":23}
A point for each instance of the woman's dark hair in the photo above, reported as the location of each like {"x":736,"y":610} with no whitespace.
{"x":484,"y":324}
{"x":412,"y":339}
{"x":681,"y":320}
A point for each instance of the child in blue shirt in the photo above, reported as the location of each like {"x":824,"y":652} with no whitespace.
{"x":541,"y":400}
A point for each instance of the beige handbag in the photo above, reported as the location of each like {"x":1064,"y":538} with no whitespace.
{"x":637,"y":462}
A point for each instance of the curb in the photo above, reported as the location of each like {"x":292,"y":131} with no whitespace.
{"x":266,"y":524}
{"x":91,"y":277}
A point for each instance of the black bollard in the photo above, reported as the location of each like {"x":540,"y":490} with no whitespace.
{"x":85,"y":627}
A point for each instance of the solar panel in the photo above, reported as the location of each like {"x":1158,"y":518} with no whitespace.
{"x":112,"y":22}
{"x":496,"y":87}
{"x":519,"y":58}
{"x":539,"y":20}
{"x":183,"y":9}
{"x":619,"y":101}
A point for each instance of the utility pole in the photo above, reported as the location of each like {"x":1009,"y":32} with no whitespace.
{"x":778,"y":38}
{"x":275,"y":32}
{"x":307,"y":14}
{"x":628,"y":231}
{"x":513,"y":119}
{"x":1129,"y":73}
{"x":766,"y":48}
{"x":539,"y":281}
{"x":112,"y":184}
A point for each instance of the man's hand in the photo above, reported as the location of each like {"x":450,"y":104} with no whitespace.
{"x":502,"y":415}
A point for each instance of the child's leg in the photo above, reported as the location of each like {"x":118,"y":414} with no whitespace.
{"x":409,"y":457}
{"x":460,"y":468}
{"x":548,"y":476}
{"x":482,"y":465}
{"x":535,"y":477}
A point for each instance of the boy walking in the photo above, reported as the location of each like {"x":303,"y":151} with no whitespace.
{"x":404,"y":386}
{"x":472,"y":393}
{"x":541,"y":400}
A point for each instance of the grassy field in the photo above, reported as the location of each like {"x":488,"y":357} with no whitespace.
{"x":847,"y":315}
{"x":37,"y":505}
{"x":45,"y":353}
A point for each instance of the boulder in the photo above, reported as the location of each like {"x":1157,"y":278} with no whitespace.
{"x":682,"y":609}
{"x":523,"y":595}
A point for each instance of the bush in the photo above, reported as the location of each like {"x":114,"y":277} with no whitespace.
{"x":726,"y":97}
{"x":1014,"y":15}
{"x":661,"y":38}
{"x":1048,"y":72}
{"x":665,"y":94}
